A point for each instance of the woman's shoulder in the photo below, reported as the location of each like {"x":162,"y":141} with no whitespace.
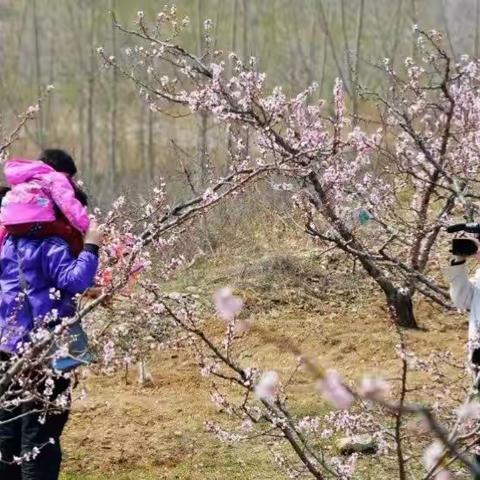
{"x":30,"y":243}
{"x":29,"y":249}
{"x":54,"y":242}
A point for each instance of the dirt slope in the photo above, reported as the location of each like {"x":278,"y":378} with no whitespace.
{"x":128,"y":432}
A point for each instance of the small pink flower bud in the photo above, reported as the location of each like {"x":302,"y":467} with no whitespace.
{"x":334,"y":391}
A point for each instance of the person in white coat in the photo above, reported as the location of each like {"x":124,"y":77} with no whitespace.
{"x":465,"y":295}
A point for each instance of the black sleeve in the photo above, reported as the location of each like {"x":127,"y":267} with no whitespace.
{"x":92,"y":248}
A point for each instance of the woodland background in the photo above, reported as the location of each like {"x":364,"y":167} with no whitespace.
{"x":119,"y":143}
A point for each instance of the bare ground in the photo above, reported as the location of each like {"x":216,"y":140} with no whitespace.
{"x":128,"y":432}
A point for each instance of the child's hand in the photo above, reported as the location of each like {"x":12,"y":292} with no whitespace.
{"x":94,"y":234}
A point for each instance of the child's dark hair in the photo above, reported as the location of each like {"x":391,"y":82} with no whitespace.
{"x":3,"y":192}
{"x":80,"y":195}
{"x":59,"y":160}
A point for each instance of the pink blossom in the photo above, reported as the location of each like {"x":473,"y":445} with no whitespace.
{"x":32,"y":109}
{"x":226,"y":304}
{"x":469,"y":410}
{"x":208,"y":369}
{"x":209,"y":195}
{"x":219,"y":400}
{"x":431,"y":457}
{"x":374,"y":388}
{"x":309,"y":424}
{"x":268,"y":386}
{"x":247,"y":425}
{"x":443,"y":475}
{"x":345,"y":468}
{"x":334,"y":391}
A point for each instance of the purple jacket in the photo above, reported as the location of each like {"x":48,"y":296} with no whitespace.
{"x":47,"y":265}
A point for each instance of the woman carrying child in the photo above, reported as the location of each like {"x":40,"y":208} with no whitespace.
{"x":47,"y":244}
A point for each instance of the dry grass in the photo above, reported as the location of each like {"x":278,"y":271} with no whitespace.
{"x":128,"y":432}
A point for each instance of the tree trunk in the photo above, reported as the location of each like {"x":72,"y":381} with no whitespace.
{"x":141,"y":145}
{"x":203,"y":133}
{"x":476,"y":44}
{"x":356,"y":68}
{"x":38,"y":73}
{"x":399,"y":300}
{"x":81,"y":128}
{"x":246,"y":56}
{"x":90,"y":96}
{"x":203,"y":123}
{"x":401,"y":307}
{"x":113,"y":112}
{"x":151,"y":147}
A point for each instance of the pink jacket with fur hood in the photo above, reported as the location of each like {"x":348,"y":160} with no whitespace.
{"x":36,"y":189}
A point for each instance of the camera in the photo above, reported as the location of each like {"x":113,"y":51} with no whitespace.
{"x":464,"y":246}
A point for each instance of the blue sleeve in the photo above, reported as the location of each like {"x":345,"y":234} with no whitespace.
{"x":68,"y":273}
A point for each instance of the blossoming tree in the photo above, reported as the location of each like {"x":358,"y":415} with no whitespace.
{"x":380,"y":189}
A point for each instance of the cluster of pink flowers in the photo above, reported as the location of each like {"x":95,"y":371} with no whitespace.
{"x":268,"y":386}
{"x":431,"y":459}
{"x":227,"y":305}
{"x":331,"y":386}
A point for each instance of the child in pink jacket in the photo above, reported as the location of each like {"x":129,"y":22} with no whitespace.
{"x":41,"y":192}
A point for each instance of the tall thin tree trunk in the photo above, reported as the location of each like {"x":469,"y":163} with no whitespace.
{"x":90,"y":97}
{"x":203,"y":130}
{"x":323,"y":65}
{"x":356,"y":68}
{"x":113,"y":111}
{"x":38,"y":71}
{"x":76,"y":25}
{"x":151,"y":146}
{"x":446,"y":26}
{"x":414,"y":15}
{"x":81,"y":127}
{"x":477,"y":29}
{"x":245,"y":30}
{"x":328,"y":33}
{"x":90,"y":126}
{"x":51,"y":78}
{"x":141,"y":147}
{"x":234,"y":25}
{"x":234,"y":48}
{"x":345,"y":40}
{"x":203,"y":123}
{"x":246,"y":55}
{"x":396,"y":35}
{"x":312,"y":56}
